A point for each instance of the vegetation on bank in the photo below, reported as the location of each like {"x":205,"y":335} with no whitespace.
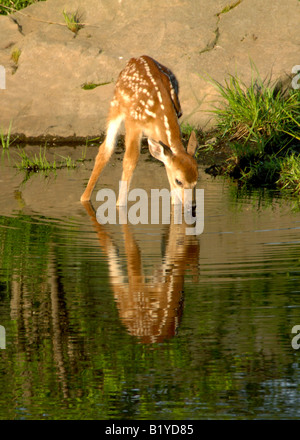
{"x":38,"y":162}
{"x":260,"y":125}
{"x":6,"y":6}
{"x":71,"y":19}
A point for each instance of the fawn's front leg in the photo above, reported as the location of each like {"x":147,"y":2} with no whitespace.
{"x":131,"y":157}
{"x":101,"y":160}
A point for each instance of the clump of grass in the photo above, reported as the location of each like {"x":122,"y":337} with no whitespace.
{"x":289,"y":180}
{"x":35,"y":163}
{"x":7,"y":5}
{"x":261,"y":124}
{"x":72,"y":20}
{"x":67,"y":162}
{"x":39,"y":162}
{"x":15,"y":55}
{"x":5,"y":139}
{"x":260,"y":114}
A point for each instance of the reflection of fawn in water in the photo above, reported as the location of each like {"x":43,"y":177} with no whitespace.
{"x":150,"y":307}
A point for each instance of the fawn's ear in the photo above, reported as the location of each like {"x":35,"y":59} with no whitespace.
{"x":193,"y":144}
{"x":160,"y":151}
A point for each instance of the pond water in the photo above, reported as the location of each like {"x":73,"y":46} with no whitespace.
{"x":144,"y":321}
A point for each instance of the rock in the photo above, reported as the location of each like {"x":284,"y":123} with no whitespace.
{"x":44,"y":95}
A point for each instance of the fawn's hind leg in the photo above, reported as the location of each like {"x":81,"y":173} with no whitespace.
{"x":105,"y":151}
{"x":132,"y":153}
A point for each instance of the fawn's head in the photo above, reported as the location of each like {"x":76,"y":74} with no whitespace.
{"x":181,"y":165}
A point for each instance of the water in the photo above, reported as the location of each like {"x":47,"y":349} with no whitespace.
{"x":144,"y":322}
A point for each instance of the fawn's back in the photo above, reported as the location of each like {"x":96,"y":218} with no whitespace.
{"x":147,"y":93}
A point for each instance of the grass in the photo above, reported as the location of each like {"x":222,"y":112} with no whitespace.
{"x":72,"y":20}
{"x":39,"y":162}
{"x":261,"y":114}
{"x":5,"y":139}
{"x":229,"y":7}
{"x":261,"y":123}
{"x":67,"y":162}
{"x":88,"y":142}
{"x":289,"y":178}
{"x":186,"y":129}
{"x":35,"y":163}
{"x":15,"y":55}
{"x":15,"y":4}
{"x":91,"y":85}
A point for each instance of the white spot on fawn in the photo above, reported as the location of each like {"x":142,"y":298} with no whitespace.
{"x":167,"y":127}
{"x":148,"y":112}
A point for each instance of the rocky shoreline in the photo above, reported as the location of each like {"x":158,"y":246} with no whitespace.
{"x":44,"y":98}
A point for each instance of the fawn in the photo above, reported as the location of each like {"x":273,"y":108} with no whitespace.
{"x":146,"y":98}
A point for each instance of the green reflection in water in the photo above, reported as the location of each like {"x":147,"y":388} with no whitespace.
{"x":70,"y":354}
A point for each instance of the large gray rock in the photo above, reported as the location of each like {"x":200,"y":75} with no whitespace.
{"x":44,"y":97}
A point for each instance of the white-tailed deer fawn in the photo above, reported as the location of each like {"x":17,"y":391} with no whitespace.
{"x":146,"y":98}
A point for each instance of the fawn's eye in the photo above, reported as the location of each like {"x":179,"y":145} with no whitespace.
{"x":178,"y":182}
